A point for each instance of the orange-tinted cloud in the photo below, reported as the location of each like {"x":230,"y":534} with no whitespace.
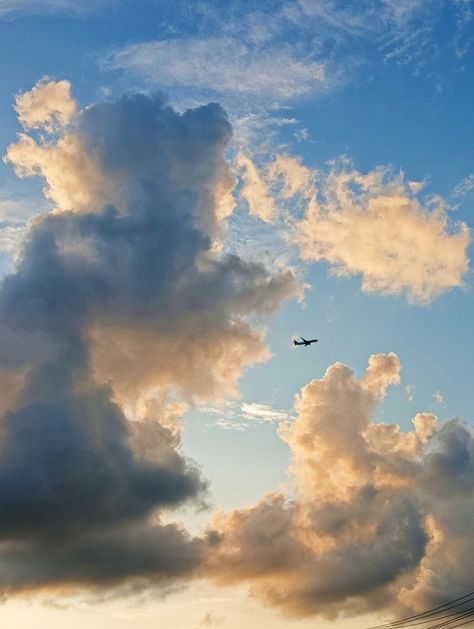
{"x":374,"y":226}
{"x":375,"y":518}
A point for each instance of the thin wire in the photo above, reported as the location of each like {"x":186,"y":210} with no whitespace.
{"x":448,"y":622}
{"x":428,"y":612}
{"x":466,"y":622}
{"x":457,"y":614}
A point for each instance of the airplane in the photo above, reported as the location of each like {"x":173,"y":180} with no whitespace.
{"x":305,"y":342}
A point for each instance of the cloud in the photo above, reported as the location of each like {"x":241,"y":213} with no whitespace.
{"x":15,"y":215}
{"x":255,"y":190}
{"x":374,"y":225}
{"x":15,"y":8}
{"x":48,"y":105}
{"x":464,"y":187}
{"x":285,"y":52}
{"x":225,"y":65}
{"x":211,"y":619}
{"x":241,"y":415}
{"x":267,"y":187}
{"x":376,"y":519}
{"x":117,"y":307}
{"x":464,"y":15}
{"x":263,"y":412}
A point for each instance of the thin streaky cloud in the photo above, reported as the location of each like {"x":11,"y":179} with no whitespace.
{"x":286,"y":52}
{"x":464,"y":187}
{"x":226,"y":65}
{"x":10,"y":9}
{"x":240,"y":416}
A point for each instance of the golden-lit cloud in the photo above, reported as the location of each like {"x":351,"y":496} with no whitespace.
{"x":255,"y":190}
{"x":47,"y":106}
{"x":374,"y":226}
{"x":370,"y":225}
{"x":375,"y":518}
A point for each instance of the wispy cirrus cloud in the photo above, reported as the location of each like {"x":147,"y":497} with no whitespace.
{"x":227,"y":65}
{"x":464,"y":187}
{"x":241,"y":415}
{"x":285,"y":52}
{"x":10,"y":9}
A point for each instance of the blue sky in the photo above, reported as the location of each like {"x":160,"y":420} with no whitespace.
{"x":370,"y":103}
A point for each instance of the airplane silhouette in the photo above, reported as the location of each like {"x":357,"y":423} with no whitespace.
{"x":305,"y":342}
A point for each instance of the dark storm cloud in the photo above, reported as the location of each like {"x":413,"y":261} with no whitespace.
{"x":126,"y":260}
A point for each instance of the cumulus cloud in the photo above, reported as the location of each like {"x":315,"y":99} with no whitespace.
{"x":377,"y":519}
{"x":48,"y":105}
{"x":374,"y":225}
{"x":117,"y":306}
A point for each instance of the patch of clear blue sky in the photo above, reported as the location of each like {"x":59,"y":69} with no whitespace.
{"x":415,"y":116}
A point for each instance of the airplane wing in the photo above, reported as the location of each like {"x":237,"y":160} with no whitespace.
{"x":304,"y":340}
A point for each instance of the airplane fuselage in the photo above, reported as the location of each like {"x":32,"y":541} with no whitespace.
{"x":305,"y":342}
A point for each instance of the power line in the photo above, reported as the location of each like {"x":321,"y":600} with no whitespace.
{"x":429,"y":612}
{"x":437,"y":617}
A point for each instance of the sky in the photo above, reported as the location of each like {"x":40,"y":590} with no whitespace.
{"x":185,"y":189}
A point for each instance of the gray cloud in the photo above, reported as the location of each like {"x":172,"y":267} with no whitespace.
{"x":81,"y":482}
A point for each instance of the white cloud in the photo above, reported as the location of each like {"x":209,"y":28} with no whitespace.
{"x":241,"y":415}
{"x":14,"y":8}
{"x":285,"y":52}
{"x":302,"y":135}
{"x":410,"y":392}
{"x":464,"y":187}
{"x":263,"y":413}
{"x":226,"y":65}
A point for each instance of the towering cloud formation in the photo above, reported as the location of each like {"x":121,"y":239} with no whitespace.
{"x":377,"y":519}
{"x":117,"y":298}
